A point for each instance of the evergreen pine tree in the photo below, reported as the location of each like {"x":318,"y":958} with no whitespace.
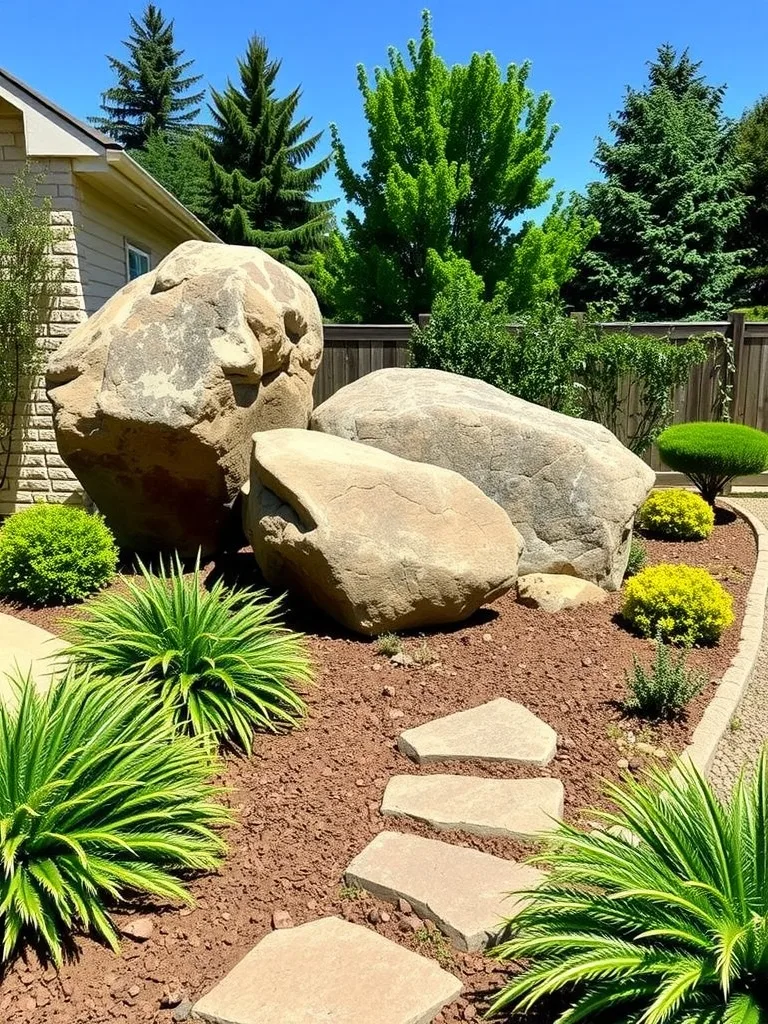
{"x":176,"y":162}
{"x":751,"y":155}
{"x":152,"y":90}
{"x":670,"y":199}
{"x":260,"y":187}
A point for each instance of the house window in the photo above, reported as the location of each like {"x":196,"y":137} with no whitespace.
{"x":137,"y":260}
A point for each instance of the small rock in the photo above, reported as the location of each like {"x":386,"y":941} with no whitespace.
{"x":374,"y":916}
{"x":384,"y":916}
{"x":414,"y":922}
{"x":134,"y":990}
{"x":645,"y":748}
{"x":182,"y":1011}
{"x":376,"y":667}
{"x":282,"y":919}
{"x":395,"y":714}
{"x":402,"y":659}
{"x":661,"y":753}
{"x":587,"y":662}
{"x":468,"y":1013}
{"x":139,"y":929}
{"x":172,"y":997}
{"x":388,"y":691}
{"x":622,"y":763}
{"x":487,"y":638}
{"x":635,"y":764}
{"x":404,"y":906}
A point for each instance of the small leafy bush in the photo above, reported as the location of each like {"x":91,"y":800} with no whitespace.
{"x":666,"y":688}
{"x":96,"y":802}
{"x":679,"y":604}
{"x":389,"y":644}
{"x":218,"y":659}
{"x":55,"y":554}
{"x":638,"y":556}
{"x":657,"y":917}
{"x":712,"y":454}
{"x":676,"y":514}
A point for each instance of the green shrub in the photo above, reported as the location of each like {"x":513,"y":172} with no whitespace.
{"x":678,"y":603}
{"x":712,"y":454}
{"x":676,"y":514}
{"x":96,"y":802}
{"x":659,"y":920}
{"x":55,"y":554}
{"x":638,"y":556}
{"x":218,"y":659}
{"x":389,"y":644}
{"x":666,"y":688}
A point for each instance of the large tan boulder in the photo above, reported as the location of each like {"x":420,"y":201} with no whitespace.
{"x":569,"y":486}
{"x":380,"y":543}
{"x":158,"y":394}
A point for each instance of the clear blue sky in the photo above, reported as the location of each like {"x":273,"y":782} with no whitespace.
{"x":584,"y":53}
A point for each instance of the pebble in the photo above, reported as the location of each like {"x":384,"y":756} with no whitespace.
{"x":402,"y":659}
{"x":404,"y":906}
{"x":282,"y":919}
{"x":622,"y":763}
{"x":134,"y":990}
{"x":395,"y":714}
{"x":388,"y":691}
{"x":182,"y":1011}
{"x":140,"y":929}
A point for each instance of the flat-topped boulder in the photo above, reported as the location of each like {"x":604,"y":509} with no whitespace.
{"x":463,"y":891}
{"x":157,"y":395}
{"x":568,"y":485}
{"x":514,"y":808}
{"x":378,"y":542}
{"x":556,"y":593}
{"x":329,"y":970}
{"x":500,"y":730}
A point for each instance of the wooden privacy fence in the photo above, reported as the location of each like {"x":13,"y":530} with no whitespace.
{"x":352,"y":350}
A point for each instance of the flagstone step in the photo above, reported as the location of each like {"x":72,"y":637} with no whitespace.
{"x":465,"y":892}
{"x":517,"y":808}
{"x":329,"y":970}
{"x":500,"y":730}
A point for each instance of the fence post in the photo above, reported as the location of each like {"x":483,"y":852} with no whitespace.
{"x":424,"y":319}
{"x":735,"y":334}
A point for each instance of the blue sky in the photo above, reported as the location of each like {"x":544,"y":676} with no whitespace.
{"x":583,"y":53}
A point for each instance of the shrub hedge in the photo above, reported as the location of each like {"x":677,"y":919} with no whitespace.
{"x":712,"y":454}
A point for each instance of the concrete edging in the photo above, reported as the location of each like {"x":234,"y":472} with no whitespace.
{"x":732,"y":687}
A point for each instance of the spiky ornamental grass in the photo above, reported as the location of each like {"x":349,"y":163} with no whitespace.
{"x":219,"y":659}
{"x":672,"y":929}
{"x":96,"y":803}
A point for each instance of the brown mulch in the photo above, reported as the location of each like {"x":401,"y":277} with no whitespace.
{"x":307,"y":802}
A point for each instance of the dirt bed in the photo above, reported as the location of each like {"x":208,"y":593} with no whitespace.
{"x":307,"y":802}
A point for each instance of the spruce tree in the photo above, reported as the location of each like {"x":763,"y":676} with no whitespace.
{"x":152,"y":90}
{"x":176,"y":162}
{"x":455,"y":165}
{"x":260,"y":187}
{"x":668,"y":204}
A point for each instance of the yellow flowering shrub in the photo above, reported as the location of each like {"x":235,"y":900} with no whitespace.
{"x":677,"y":603}
{"x":676,"y":514}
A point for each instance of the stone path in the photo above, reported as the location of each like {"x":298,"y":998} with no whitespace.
{"x":514,"y":808}
{"x":26,"y":648}
{"x":332,"y":970}
{"x":464,"y":891}
{"x":741,"y":744}
{"x":329,"y":970}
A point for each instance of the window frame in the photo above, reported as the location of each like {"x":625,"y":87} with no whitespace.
{"x":132,"y":247}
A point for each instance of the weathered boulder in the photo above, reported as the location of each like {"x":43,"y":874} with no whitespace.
{"x":158,"y":394}
{"x":569,"y":486}
{"x":379,"y":542}
{"x":552,"y":592}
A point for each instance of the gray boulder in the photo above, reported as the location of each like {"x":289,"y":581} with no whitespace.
{"x":378,"y":542}
{"x":568,"y":485}
{"x":157,"y":396}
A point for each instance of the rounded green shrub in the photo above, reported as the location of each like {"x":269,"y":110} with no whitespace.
{"x":711,"y":454}
{"x":676,"y":514}
{"x":677,"y":603}
{"x":55,"y":554}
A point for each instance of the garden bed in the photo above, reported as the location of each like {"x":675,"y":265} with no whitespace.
{"x":307,"y":802}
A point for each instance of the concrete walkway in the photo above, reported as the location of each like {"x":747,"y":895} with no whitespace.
{"x":749,"y":729}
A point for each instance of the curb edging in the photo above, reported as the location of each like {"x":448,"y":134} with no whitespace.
{"x":733,"y":685}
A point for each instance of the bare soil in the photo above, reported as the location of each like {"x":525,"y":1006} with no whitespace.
{"x":307,"y":802}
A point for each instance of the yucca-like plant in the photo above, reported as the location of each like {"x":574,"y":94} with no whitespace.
{"x":219,"y":659}
{"x":96,"y":803}
{"x":661,"y":920}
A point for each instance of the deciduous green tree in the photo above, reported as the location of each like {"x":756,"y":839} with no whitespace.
{"x":456,"y":159}
{"x":668,"y":203}
{"x":152,"y":92}
{"x":260,"y":186}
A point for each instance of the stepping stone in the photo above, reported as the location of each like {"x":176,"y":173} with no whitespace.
{"x":465,"y":892}
{"x":329,"y":970}
{"x":518,"y":808}
{"x":498,"y":731}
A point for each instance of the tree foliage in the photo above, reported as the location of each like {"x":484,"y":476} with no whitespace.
{"x":751,"y":156}
{"x":260,"y":186}
{"x":176,"y":162}
{"x":456,"y":159}
{"x":152,"y":91}
{"x":670,"y":199}
{"x":29,"y":277}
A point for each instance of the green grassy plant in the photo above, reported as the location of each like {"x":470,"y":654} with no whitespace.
{"x":666,"y":688}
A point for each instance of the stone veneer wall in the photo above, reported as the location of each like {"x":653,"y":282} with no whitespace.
{"x":37,"y":471}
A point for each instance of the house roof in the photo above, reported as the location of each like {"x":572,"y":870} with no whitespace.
{"x":51,"y":132}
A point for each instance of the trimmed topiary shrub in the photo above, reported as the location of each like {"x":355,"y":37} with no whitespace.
{"x":712,"y":454}
{"x":55,"y":554}
{"x":676,"y":514}
{"x":677,"y":603}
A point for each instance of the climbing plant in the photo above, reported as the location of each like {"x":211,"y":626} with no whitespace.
{"x":29,"y":276}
